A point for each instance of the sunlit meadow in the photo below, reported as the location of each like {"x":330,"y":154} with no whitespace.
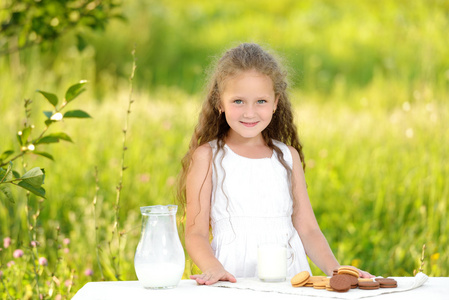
{"x":371,"y":112}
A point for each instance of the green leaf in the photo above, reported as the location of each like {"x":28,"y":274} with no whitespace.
{"x":19,"y":138}
{"x":47,"y":140}
{"x":2,"y":175}
{"x":44,"y":154}
{"x":62,"y":136}
{"x":52,"y":98}
{"x":53,"y":138}
{"x":48,"y":122}
{"x":7,"y":192}
{"x":8,"y":170}
{"x":76,"y":114}
{"x":37,"y":190}
{"x":48,"y":114}
{"x":6,"y":175}
{"x":16,"y":174}
{"x":5,"y":154}
{"x":80,"y":43}
{"x":34,"y":177}
{"x":74,"y":91}
{"x":25,"y":133}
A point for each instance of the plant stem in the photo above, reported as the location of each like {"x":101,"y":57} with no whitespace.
{"x":31,"y":233}
{"x":116,"y":227}
{"x":422,"y":257}
{"x":31,"y":227}
{"x":97,"y":244}
{"x":14,"y":158}
{"x":6,"y":289}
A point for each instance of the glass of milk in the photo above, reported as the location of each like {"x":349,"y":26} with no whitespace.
{"x":159,"y":260}
{"x":272,"y":262}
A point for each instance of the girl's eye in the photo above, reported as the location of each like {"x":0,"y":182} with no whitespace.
{"x":261,"y":101}
{"x":238,"y":101}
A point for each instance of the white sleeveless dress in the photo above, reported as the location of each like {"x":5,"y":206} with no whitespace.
{"x":251,"y":204}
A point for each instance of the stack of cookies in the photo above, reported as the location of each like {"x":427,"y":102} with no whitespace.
{"x":304,"y":279}
{"x":343,"y":279}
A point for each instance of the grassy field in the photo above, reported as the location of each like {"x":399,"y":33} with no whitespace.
{"x":371,"y":110}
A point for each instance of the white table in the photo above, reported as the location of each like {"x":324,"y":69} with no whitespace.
{"x":435,"y":288}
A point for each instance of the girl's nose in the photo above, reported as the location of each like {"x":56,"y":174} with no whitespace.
{"x":249,"y":111}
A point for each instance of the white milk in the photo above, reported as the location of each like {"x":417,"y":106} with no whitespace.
{"x":159,"y":275}
{"x":272,"y":262}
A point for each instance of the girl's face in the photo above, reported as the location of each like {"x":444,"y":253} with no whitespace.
{"x":248,"y":101}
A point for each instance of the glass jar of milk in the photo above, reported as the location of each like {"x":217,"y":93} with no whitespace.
{"x":159,"y":260}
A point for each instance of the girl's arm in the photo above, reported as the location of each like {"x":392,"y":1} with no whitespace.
{"x":315,"y":244}
{"x":198,"y":193}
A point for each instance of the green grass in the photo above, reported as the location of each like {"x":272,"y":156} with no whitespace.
{"x":378,"y":192}
{"x":371,"y":111}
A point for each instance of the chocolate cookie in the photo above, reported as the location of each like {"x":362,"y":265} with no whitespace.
{"x":340,"y":283}
{"x":369,"y":285}
{"x":387,"y":282}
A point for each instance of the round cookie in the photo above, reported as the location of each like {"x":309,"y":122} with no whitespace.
{"x":340,"y":283}
{"x":321,"y":285}
{"x":352,"y":280}
{"x":349,"y":271}
{"x":369,"y":285}
{"x":387,"y":282}
{"x":308,"y":284}
{"x":300,"y":279}
{"x":313,"y":279}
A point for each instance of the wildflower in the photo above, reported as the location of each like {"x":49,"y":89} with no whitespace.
{"x":33,"y":244}
{"x":17,"y":253}
{"x":144,"y":177}
{"x":10,"y":263}
{"x":66,"y":241}
{"x":1,"y":274}
{"x":435,"y":256}
{"x":43,"y":261}
{"x":88,"y":272}
{"x":56,"y":117}
{"x":68,"y":283}
{"x":6,"y":242}
{"x":58,"y":297}
{"x":66,"y":250}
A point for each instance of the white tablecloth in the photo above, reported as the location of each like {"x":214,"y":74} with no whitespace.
{"x":433,"y":288}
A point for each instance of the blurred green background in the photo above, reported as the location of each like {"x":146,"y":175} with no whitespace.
{"x":369,"y":83}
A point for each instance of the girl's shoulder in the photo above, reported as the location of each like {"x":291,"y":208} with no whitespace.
{"x":203,"y":151}
{"x":294,"y":155}
{"x":288,"y":151}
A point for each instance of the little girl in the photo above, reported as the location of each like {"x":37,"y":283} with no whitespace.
{"x":244,"y":174}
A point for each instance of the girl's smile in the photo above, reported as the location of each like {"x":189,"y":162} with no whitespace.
{"x":252,"y":124}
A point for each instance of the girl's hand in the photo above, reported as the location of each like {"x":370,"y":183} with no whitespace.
{"x":364,"y":274}
{"x":212,"y":276}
